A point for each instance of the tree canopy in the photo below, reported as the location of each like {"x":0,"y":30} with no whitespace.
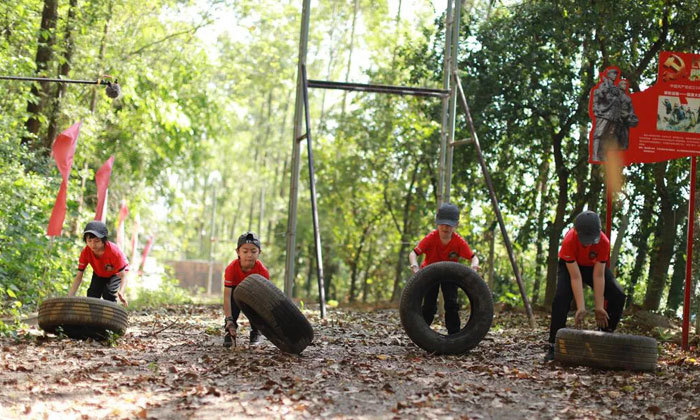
{"x":206,"y":115}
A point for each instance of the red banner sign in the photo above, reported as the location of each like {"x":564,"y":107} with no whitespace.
{"x":123,"y":212}
{"x":657,"y":124}
{"x":63,"y":150}
{"x":102,"y":181}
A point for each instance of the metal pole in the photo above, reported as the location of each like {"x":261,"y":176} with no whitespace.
{"x":211,"y":243}
{"x":367,"y":87}
{"x":494,"y":201}
{"x":608,"y":212}
{"x":47,"y":79}
{"x":314,"y":206}
{"x":294,"y":178}
{"x":457,"y":18}
{"x":689,"y":255}
{"x":445,"y":101}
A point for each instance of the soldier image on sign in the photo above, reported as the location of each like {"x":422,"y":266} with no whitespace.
{"x":614,"y":115}
{"x":627,"y":116}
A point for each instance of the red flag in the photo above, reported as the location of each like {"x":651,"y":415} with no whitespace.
{"x":63,"y":150}
{"x":123,"y":212}
{"x":146,"y":249}
{"x":102,"y":180}
{"x":134,"y":236}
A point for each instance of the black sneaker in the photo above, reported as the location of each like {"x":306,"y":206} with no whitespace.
{"x":549,"y":356}
{"x":254,"y":337}
{"x":228,"y":342}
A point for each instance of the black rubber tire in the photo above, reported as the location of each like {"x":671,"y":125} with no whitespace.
{"x":479,"y":297}
{"x":274,"y":314}
{"x":605,"y":350}
{"x":82,"y":317}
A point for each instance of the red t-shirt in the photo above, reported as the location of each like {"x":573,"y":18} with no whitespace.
{"x":109,"y":264}
{"x":572,"y":250}
{"x":234,"y":275}
{"x":435,"y":251}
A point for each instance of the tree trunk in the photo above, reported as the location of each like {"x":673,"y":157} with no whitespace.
{"x":641,"y":242}
{"x":401,"y":262}
{"x":491,"y":239}
{"x":260,"y":142}
{"x":310,"y":272}
{"x":596,"y":188}
{"x":64,"y":71}
{"x":234,"y":220}
{"x":615,"y":254}
{"x":264,"y":161}
{"x":330,"y":269}
{"x":557,"y":226}
{"x":664,"y":237}
{"x":329,"y":69}
{"x":368,"y":265}
{"x":675,"y":290}
{"x":101,"y":54}
{"x":350,"y":49}
{"x":541,"y":210}
{"x":81,"y":199}
{"x":280,"y":171}
{"x":397,"y":36}
{"x":44,"y":55}
{"x":354,"y":264}
{"x":202,"y":218}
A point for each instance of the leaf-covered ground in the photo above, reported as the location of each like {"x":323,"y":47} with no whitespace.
{"x":171,"y":364}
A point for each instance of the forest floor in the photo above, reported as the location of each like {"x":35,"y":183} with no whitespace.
{"x":171,"y":364}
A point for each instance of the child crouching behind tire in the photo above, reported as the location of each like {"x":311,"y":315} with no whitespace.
{"x":247,"y":263}
{"x":109,"y":265}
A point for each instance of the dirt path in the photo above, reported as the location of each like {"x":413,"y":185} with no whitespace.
{"x":171,"y":364}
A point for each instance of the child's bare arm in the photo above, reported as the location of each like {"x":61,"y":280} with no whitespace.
{"x":230,"y":324}
{"x":76,"y":283}
{"x":413,"y":260}
{"x":227,"y":301}
{"x":475,"y":263}
{"x":122,"y":287}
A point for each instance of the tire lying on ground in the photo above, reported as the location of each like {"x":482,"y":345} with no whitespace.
{"x":605,"y":350}
{"x":479,"y":297}
{"x":82,"y":317}
{"x":274,"y":314}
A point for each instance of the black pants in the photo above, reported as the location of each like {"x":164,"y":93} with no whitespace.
{"x":236,"y":311}
{"x":449,"y":294}
{"x":613,"y":294}
{"x":104,"y":287}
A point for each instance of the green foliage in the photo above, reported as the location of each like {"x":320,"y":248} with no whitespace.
{"x":510,"y":298}
{"x":205,"y":123}
{"x":167,"y":293}
{"x":112,"y":338}
{"x":33,"y":266}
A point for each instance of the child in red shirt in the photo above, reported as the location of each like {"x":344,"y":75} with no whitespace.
{"x":582,"y":259}
{"x":246,"y":264}
{"x":443,"y":244}
{"x":109,"y":265}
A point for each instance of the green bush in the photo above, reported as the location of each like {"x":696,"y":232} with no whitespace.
{"x":33,"y":266}
{"x":169,"y":293}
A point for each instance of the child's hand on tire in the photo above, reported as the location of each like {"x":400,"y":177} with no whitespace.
{"x":601,"y":317}
{"x":578,"y":318}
